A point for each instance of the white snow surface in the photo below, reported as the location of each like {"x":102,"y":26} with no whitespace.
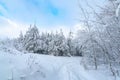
{"x":15,"y":65}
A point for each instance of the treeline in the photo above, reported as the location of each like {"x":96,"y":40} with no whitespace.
{"x":47,"y":43}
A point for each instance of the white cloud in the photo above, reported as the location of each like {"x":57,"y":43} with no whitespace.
{"x":10,"y":28}
{"x":79,"y":26}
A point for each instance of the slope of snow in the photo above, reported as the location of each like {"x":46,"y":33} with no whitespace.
{"x":18,"y":66}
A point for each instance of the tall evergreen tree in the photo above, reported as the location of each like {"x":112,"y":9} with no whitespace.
{"x":31,"y":39}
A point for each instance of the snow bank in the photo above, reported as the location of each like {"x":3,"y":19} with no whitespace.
{"x":19,"y":66}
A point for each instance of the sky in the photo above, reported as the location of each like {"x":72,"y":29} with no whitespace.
{"x":48,"y":15}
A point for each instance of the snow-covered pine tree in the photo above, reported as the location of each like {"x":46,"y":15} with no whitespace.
{"x":70,"y":44}
{"x":18,"y":42}
{"x":31,"y":39}
{"x":42,"y":45}
{"x":60,"y":45}
{"x":48,"y":43}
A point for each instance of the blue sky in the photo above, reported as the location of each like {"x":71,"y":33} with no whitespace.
{"x":17,"y":15}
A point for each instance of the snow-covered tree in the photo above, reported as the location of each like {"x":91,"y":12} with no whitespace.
{"x":70,"y":44}
{"x":111,"y":35}
{"x":31,"y":39}
{"x":100,"y":42}
{"x":104,"y":40}
{"x":60,"y":45}
{"x":18,"y":43}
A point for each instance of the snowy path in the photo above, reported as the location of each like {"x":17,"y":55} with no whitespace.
{"x":30,"y":67}
{"x":42,"y":67}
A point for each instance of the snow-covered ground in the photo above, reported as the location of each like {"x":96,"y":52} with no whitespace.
{"x":19,"y":66}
